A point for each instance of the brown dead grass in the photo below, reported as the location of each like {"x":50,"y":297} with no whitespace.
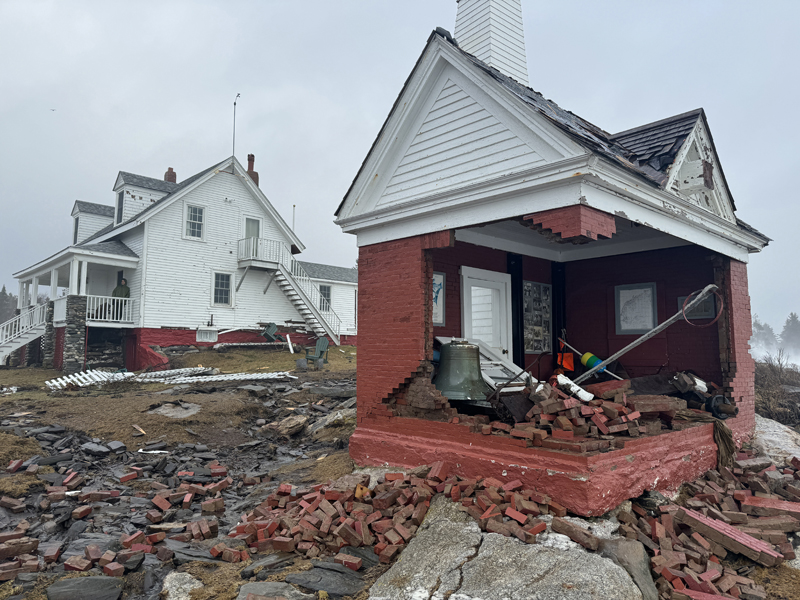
{"x":299,"y":565}
{"x":111,"y":417}
{"x":331,"y":467}
{"x":13,"y":447}
{"x":19,"y":485}
{"x":252,"y":360}
{"x":781,"y":582}
{"x":220,"y":582}
{"x":44,"y":581}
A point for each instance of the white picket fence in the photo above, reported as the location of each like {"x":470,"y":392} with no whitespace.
{"x":174,"y":376}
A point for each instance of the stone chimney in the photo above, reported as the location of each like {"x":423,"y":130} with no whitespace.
{"x":491,"y":30}
{"x":251,"y":161}
{"x":171,"y":176}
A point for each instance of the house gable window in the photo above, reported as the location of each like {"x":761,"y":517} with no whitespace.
{"x":195,"y":222}
{"x":75,"y":231}
{"x":120,"y":206}
{"x":324,"y":297}
{"x":222,"y":290}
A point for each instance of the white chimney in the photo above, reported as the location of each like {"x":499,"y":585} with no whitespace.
{"x":491,"y":30}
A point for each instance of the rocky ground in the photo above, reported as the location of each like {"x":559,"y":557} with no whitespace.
{"x":244,"y":489}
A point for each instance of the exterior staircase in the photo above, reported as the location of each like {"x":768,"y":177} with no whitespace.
{"x":21,"y":330}
{"x":276,"y":257}
{"x":304,"y":294}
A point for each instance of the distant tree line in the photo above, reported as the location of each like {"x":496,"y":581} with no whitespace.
{"x":764,"y":336}
{"x":8,"y":303}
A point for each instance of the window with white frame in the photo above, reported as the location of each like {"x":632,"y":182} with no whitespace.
{"x":120,"y":206}
{"x":325,"y":297}
{"x":75,"y":233}
{"x":222,"y":289}
{"x":195,"y":216}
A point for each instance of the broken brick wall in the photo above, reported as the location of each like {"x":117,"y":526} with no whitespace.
{"x":394,"y":314}
{"x":735,"y":329}
{"x":590,"y":312}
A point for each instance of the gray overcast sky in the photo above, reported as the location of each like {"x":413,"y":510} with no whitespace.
{"x":142,"y":86}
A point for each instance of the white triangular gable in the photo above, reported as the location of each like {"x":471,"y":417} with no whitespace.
{"x":697,"y":176}
{"x":450,"y":132}
{"x":458,"y":143}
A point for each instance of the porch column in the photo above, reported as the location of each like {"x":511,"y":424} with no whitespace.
{"x":84,"y":273}
{"x":53,"y":284}
{"x":73,"y":277}
{"x":35,"y":291}
{"x":21,"y":295}
{"x":735,"y":330}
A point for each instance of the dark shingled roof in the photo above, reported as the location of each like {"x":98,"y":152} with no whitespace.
{"x":318,"y":271}
{"x":112,"y":247}
{"x":94,"y":209}
{"x":655,"y":145}
{"x":148,"y":183}
{"x":176,"y":187}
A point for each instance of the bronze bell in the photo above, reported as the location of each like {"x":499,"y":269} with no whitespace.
{"x":459,"y":376}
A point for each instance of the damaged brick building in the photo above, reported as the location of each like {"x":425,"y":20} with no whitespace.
{"x":531,"y":222}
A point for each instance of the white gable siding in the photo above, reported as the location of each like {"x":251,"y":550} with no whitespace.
{"x":343,"y":302}
{"x":179,"y":278}
{"x":88,"y":225}
{"x":134,"y":239}
{"x":136,"y":200}
{"x":459,"y":143}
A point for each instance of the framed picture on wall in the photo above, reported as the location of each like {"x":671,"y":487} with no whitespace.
{"x":438,"y":297}
{"x":536,"y":310}
{"x":635,"y":307}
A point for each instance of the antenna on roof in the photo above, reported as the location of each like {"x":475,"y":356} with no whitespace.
{"x":234,"y":124}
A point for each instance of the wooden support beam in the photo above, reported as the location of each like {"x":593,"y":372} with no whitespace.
{"x":269,"y":281}
{"x":238,"y":285}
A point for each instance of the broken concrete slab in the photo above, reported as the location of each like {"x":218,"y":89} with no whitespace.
{"x":451,"y":557}
{"x":176,"y":411}
{"x":323,"y":577}
{"x":86,"y":588}
{"x":178,"y":586}
{"x":631,"y":556}
{"x":272,"y":589}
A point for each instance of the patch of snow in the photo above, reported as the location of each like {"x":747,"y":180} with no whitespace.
{"x":777,"y":441}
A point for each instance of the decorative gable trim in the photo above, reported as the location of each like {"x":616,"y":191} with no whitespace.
{"x":696,"y":174}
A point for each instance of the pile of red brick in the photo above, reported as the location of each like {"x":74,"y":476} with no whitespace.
{"x":325,"y":518}
{"x":560,"y":422}
{"x":746,"y":510}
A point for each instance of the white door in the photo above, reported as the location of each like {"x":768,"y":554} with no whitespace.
{"x":486,"y":307}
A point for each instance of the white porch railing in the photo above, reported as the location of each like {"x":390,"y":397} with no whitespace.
{"x":277,"y":252}
{"x":28,"y":319}
{"x":261,"y":249}
{"x":60,"y":310}
{"x":109,"y":310}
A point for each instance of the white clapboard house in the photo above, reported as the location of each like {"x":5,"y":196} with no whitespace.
{"x":207,"y":260}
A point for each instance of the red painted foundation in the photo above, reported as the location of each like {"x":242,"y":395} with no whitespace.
{"x":586,"y":484}
{"x":140,"y":355}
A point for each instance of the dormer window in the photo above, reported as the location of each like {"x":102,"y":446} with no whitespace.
{"x":75,"y":231}
{"x":120,"y":205}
